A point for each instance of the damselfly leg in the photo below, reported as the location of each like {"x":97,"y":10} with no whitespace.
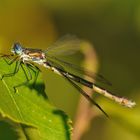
{"x":9,"y":61}
{"x":27,"y":72}
{"x":27,"y":75}
{"x":36,"y":71}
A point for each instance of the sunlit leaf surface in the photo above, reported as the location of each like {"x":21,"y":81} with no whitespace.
{"x":29,"y":108}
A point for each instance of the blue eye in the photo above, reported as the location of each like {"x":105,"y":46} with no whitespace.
{"x":17,"y":49}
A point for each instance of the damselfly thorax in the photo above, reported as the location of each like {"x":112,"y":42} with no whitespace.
{"x":33,"y":55}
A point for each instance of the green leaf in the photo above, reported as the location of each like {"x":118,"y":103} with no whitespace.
{"x":29,"y":109}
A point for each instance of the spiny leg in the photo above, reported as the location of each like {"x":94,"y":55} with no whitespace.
{"x":15,"y":70}
{"x":10,"y":60}
{"x":5,"y":55}
{"x":85,"y":94}
{"x":36,"y":70}
{"x":28,"y":76}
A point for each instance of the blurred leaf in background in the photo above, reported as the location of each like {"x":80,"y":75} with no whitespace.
{"x":113,"y":27}
{"x":27,"y":22}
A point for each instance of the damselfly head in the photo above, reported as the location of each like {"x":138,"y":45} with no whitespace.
{"x":17,"y":49}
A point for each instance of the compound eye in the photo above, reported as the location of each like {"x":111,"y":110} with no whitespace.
{"x":17,"y":49}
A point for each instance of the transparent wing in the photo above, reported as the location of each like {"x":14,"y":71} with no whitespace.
{"x":66,"y":45}
{"x":78,"y":70}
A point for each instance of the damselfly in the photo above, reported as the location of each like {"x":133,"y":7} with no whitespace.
{"x":49,"y":59}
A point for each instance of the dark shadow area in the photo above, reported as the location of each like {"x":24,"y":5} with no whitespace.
{"x":40,"y":88}
{"x":6,"y":131}
{"x":66,"y":122}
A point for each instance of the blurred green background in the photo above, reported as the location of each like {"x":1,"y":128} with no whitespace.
{"x":112,"y":26}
